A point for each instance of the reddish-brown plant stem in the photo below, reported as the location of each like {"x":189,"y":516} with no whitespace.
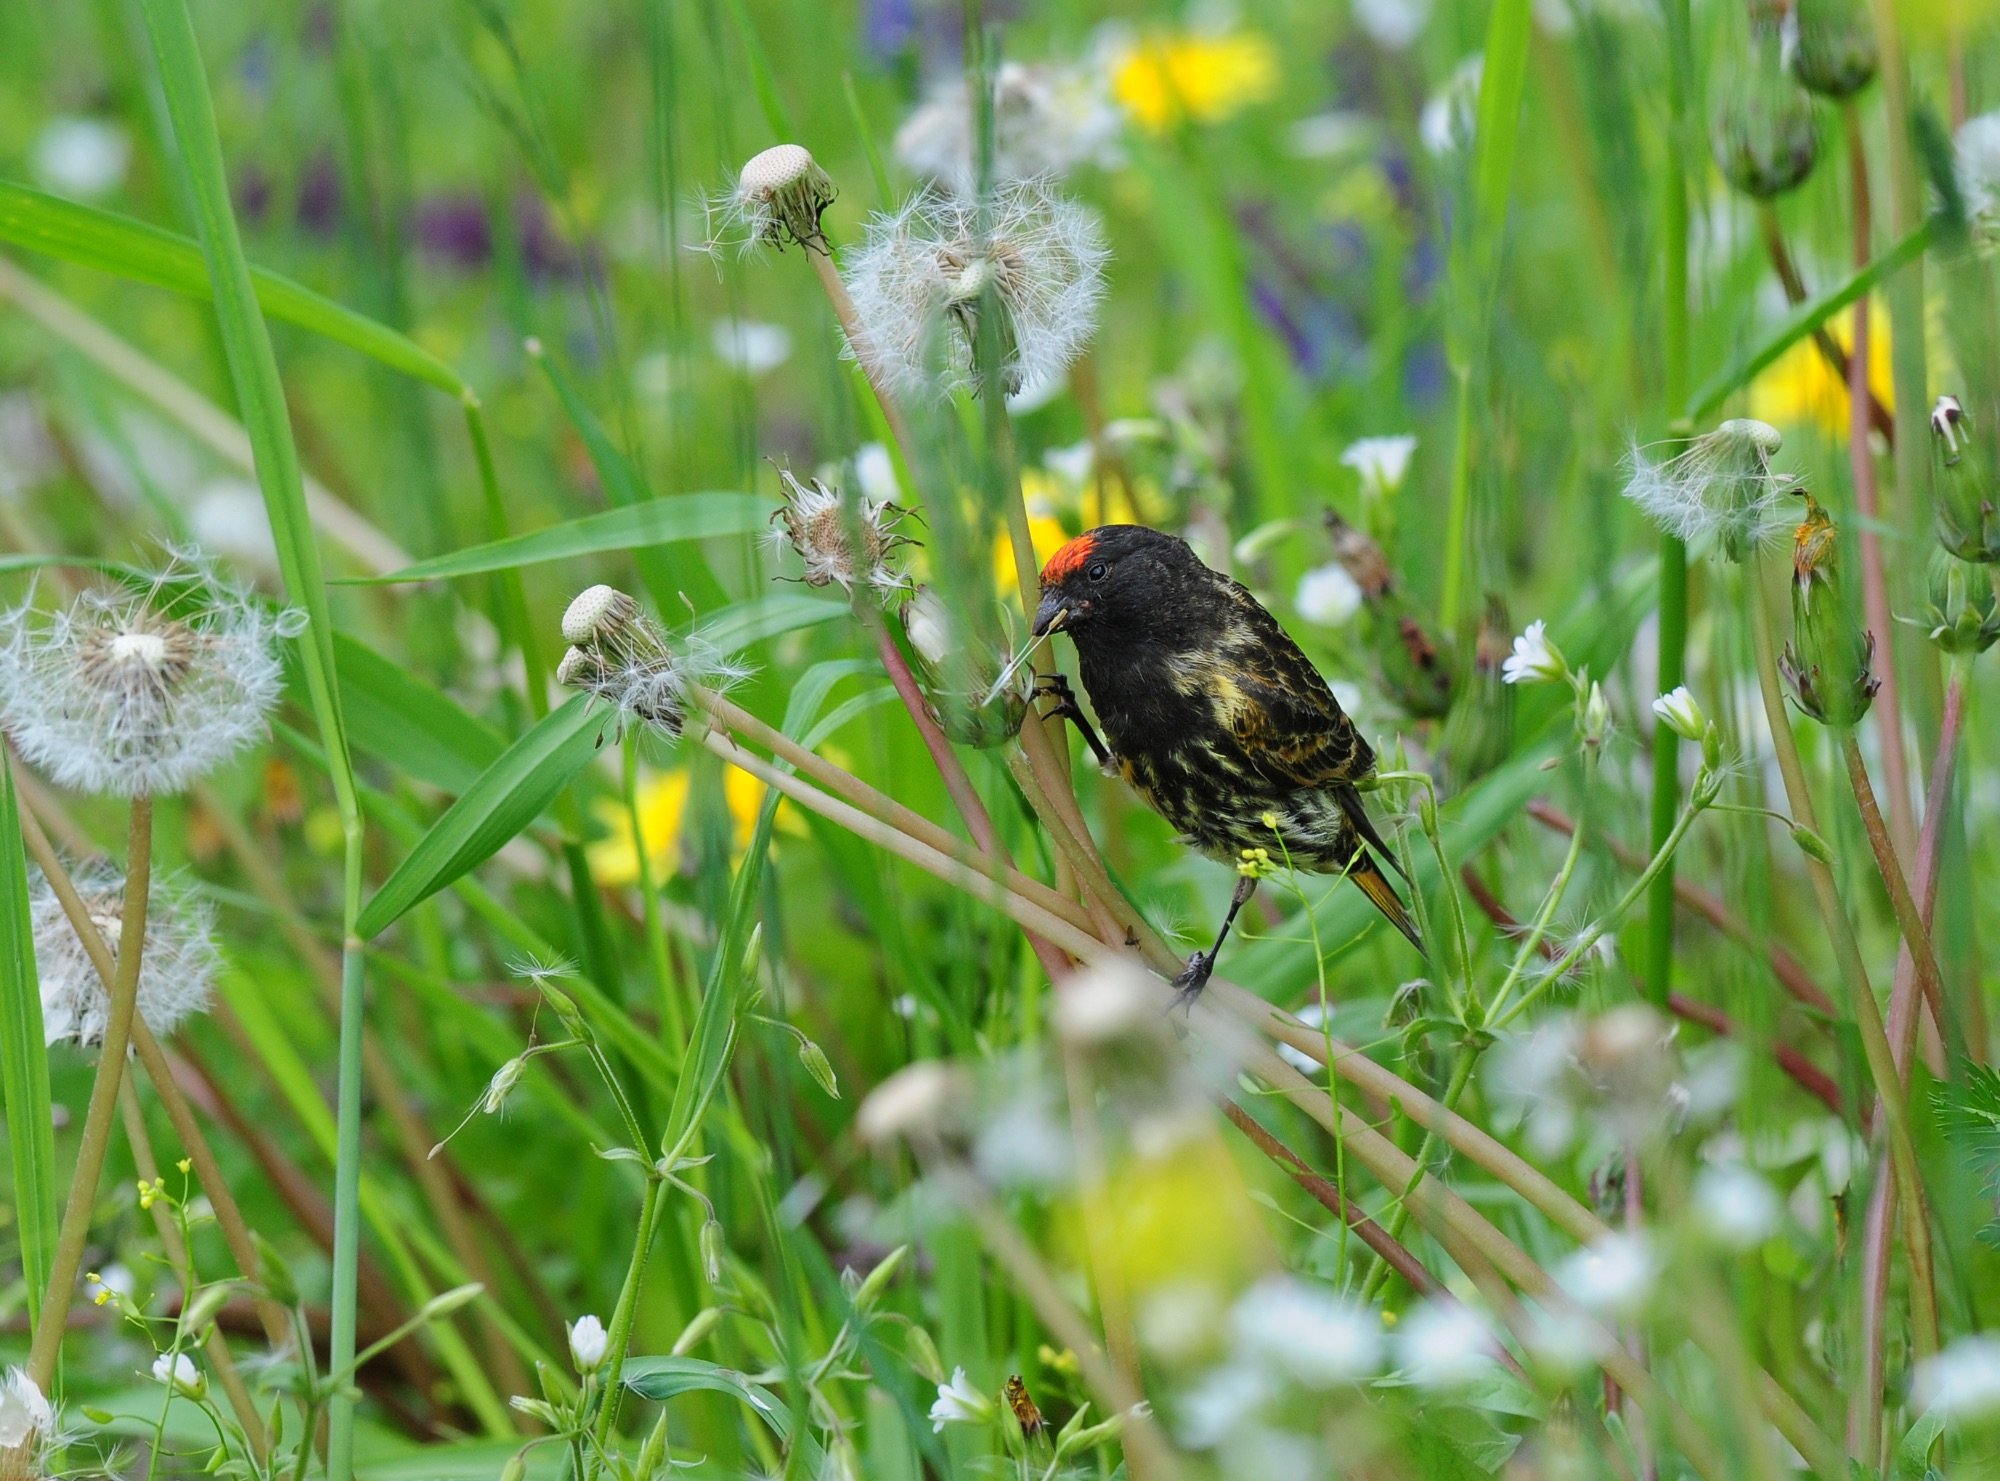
{"x":1912,"y":921}
{"x":1868,"y":503}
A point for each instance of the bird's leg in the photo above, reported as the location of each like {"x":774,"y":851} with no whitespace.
{"x":1190,"y":983}
{"x":1056,"y":687}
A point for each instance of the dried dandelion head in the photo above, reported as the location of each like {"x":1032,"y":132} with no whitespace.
{"x":1047,"y":121}
{"x":142,"y":694}
{"x":621,"y":656}
{"x":780,"y":196}
{"x":176,"y":970}
{"x":924,"y":275}
{"x":976,"y":689}
{"x":1720,"y":488}
{"x":843,"y":542}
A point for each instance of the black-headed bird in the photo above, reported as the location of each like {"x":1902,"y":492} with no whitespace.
{"x":1213,"y":715}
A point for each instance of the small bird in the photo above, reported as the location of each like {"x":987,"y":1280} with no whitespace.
{"x":1212,"y":715}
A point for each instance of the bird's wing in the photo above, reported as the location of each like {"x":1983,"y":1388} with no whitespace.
{"x":1283,"y":715}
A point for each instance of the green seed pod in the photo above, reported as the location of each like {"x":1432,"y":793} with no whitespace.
{"x":1833,"y":50}
{"x":1962,"y":485}
{"x":1961,"y":613}
{"x":1826,"y":664}
{"x":1479,"y":734}
{"x":1765,"y":137}
{"x":971,"y":691}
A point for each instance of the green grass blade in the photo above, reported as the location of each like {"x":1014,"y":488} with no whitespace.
{"x":24,"y":1063}
{"x":398,"y":718}
{"x":769,"y":97}
{"x":149,"y":254}
{"x":702,"y":516}
{"x":744,"y":623}
{"x":507,"y":797}
{"x":1803,"y":321}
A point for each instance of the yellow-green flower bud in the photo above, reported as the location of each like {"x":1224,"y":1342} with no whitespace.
{"x":1962,"y":485}
{"x":1960,"y":613}
{"x":1833,"y":47}
{"x":1765,"y":137}
{"x":1826,"y":663}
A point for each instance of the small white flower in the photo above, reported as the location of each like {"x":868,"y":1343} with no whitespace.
{"x":1024,"y":1142}
{"x":1445,"y":1344}
{"x":1451,"y":114}
{"x":1221,"y":1402}
{"x":750,"y":347}
{"x":118,"y":694}
{"x":1106,"y":1003}
{"x":1328,"y":595}
{"x":25,"y":1414}
{"x":1382,"y":462}
{"x":1978,"y":160}
{"x":176,"y":970}
{"x":227,"y":516}
{"x":588,"y":1343}
{"x":1535,"y":660}
{"x":875,"y":473}
{"x":1312,"y":1016}
{"x":1736,"y":1206}
{"x":1681,"y":713}
{"x":920,"y":276}
{"x":1963,"y":1381}
{"x":1047,"y":120}
{"x":913,"y":1100}
{"x":1393,"y":23}
{"x":178,"y":1372}
{"x":1313,"y":1335}
{"x":958,"y":1402}
{"x":1613,"y":1275}
{"x":82,"y":158}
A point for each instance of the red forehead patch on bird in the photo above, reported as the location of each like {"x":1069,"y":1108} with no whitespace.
{"x":1068,"y":560}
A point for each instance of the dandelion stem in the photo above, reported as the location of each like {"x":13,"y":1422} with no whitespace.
{"x":96,"y":1140}
{"x":857,"y":338}
{"x":672,"y":1022}
{"x":235,"y":1230}
{"x":1865,"y":1413}
{"x":213,"y":1343}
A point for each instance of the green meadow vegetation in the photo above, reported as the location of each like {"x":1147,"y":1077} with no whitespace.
{"x":557,"y":920}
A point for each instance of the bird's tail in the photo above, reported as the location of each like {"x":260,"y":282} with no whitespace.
{"x":1357,"y":814}
{"x":1365,"y":872}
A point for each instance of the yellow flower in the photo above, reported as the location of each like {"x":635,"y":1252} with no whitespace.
{"x":662,"y":809}
{"x":1164,"y":79}
{"x":1801,"y":389}
{"x":1048,"y":500}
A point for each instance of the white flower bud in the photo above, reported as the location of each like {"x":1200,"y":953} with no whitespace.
{"x":588,"y":1343}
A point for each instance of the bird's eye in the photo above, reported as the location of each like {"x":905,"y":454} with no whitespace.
{"x":1096,"y":570}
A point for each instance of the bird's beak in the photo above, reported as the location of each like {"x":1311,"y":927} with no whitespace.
{"x":1051,"y":614}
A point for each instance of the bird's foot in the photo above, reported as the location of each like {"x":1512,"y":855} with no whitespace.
{"x":1056,"y":687}
{"x":1188,"y":986}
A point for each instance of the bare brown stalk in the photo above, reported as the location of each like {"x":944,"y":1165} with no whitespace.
{"x":1911,"y":921}
{"x":1796,"y":294}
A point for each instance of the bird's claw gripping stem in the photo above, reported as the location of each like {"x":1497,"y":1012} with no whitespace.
{"x":1056,"y":687}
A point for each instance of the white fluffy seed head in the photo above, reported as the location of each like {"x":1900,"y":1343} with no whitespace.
{"x":780,"y":196}
{"x":842,"y":542}
{"x":176,"y":970}
{"x":142,"y":694}
{"x":1977,"y":157}
{"x":1047,"y":121}
{"x":598,"y":612}
{"x":1720,"y":489}
{"x":922,"y":276}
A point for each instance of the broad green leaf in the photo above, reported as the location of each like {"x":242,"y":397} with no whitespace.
{"x":24,"y":1063}
{"x":149,"y":254}
{"x":661,"y":1379}
{"x":504,"y":799}
{"x":703,"y":516}
{"x":398,"y":718}
{"x":739,"y":626}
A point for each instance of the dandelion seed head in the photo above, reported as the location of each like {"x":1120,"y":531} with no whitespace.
{"x":1719,"y":490}
{"x":27,"y":1420}
{"x":117,"y":694}
{"x":920,"y":278}
{"x":842,"y":542}
{"x":624,"y":658}
{"x":598,"y":612}
{"x":1047,"y":121}
{"x":780,"y":196}
{"x":177,"y":969}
